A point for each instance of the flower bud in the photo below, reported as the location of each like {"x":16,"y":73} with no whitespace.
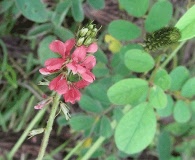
{"x":91,"y":26}
{"x":88,"y":41}
{"x":87,"y":35}
{"x":80,"y":41}
{"x":83,"y":32}
{"x":93,"y":34}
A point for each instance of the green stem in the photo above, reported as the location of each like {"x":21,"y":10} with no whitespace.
{"x":26,"y":132}
{"x":73,"y":150}
{"x":92,"y":149}
{"x":172,"y":55}
{"x":101,"y":139}
{"x":48,"y":127}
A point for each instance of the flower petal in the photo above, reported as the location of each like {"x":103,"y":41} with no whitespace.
{"x":69,"y":44}
{"x":81,"y":84}
{"x":45,"y":71}
{"x":76,"y":68}
{"x":54,"y":63}
{"x":88,"y":76}
{"x":92,"y":48}
{"x":58,"y":47}
{"x":72,"y":95}
{"x":42,"y":104}
{"x":59,"y":84}
{"x":79,"y":54}
{"x":89,"y":62}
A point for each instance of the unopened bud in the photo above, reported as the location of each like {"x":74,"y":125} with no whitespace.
{"x":90,"y":26}
{"x":93,"y":34}
{"x":83,"y":32}
{"x":80,"y":41}
{"x":88,"y":33}
{"x":88,"y":41}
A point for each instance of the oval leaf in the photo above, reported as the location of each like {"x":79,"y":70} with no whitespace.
{"x":164,"y":146}
{"x":178,"y":79}
{"x":77,"y":10}
{"x":159,"y":15}
{"x":157,"y":97}
{"x":188,"y":89}
{"x":135,"y":7}
{"x":63,"y":33}
{"x":33,"y":10}
{"x":105,"y":127}
{"x":40,"y":29}
{"x":97,"y":4}
{"x":81,"y":122}
{"x":168,"y":110}
{"x":90,"y":105}
{"x":162,"y":79}
{"x":181,"y":112}
{"x":44,"y":52}
{"x":136,"y":129}
{"x":123,"y":30}
{"x":60,"y":12}
{"x":138,"y":60}
{"x":128,"y":91}
{"x":186,"y":24}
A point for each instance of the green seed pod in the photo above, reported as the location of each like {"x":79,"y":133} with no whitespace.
{"x":161,"y":38}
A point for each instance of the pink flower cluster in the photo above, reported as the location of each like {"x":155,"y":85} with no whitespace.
{"x":73,"y":68}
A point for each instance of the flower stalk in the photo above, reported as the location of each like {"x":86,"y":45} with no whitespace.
{"x":48,"y":127}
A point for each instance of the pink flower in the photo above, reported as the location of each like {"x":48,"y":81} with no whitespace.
{"x":81,"y":84}
{"x":62,"y":48}
{"x":92,"y":48}
{"x":73,"y":63}
{"x":82,"y":64}
{"x":59,"y":84}
{"x":72,"y":95}
{"x":53,"y":65}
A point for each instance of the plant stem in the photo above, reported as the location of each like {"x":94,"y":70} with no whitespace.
{"x":73,"y":150}
{"x":92,"y":149}
{"x":101,"y":139}
{"x":48,"y":127}
{"x":172,"y":55}
{"x":26,"y":132}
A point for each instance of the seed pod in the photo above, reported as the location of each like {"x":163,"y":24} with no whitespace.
{"x":161,"y":38}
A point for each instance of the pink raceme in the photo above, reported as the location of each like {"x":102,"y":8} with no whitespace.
{"x":72,"y":68}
